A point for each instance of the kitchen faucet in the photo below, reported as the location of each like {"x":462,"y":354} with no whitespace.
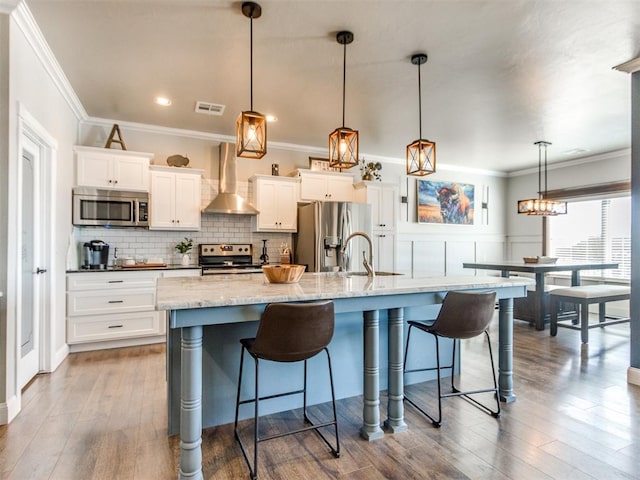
{"x":368,"y":264}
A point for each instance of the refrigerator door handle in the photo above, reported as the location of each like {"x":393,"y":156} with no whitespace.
{"x":346,"y":231}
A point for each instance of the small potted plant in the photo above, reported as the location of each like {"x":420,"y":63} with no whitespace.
{"x":370,"y":170}
{"x":184,"y":248}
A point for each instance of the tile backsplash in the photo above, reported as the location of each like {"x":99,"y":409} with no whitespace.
{"x":142,"y":244}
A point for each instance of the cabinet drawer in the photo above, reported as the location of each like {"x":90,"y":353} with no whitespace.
{"x":111,"y":280}
{"x":116,"y":301}
{"x":109,"y":327}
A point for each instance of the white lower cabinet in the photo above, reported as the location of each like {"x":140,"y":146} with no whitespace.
{"x":110,"y":309}
{"x":110,"y":327}
{"x":384,"y":246}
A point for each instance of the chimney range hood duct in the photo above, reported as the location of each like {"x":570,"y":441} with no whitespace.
{"x":228,"y":201}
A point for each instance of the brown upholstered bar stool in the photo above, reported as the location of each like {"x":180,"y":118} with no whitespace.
{"x":462,"y":315}
{"x":288,"y":332}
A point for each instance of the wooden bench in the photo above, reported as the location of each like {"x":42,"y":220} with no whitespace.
{"x":583,"y":296}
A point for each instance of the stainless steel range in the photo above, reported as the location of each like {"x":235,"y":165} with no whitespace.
{"x":227,"y":258}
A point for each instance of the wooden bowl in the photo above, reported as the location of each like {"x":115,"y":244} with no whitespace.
{"x":283,"y":273}
{"x":540,"y":259}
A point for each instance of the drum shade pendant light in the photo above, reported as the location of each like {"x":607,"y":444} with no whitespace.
{"x":421,"y":154}
{"x":343,"y":141}
{"x":251,"y":128}
{"x":542,"y":206}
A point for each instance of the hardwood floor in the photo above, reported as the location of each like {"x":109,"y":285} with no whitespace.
{"x":101,"y":415}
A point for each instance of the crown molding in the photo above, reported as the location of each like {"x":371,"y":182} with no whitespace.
{"x":601,"y":157}
{"x":8,"y":6}
{"x":293,"y":147}
{"x":27,"y":24}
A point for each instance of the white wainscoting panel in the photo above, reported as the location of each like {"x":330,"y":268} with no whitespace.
{"x":459,"y":252}
{"x":429,"y":258}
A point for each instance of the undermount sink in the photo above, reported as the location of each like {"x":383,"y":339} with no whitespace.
{"x":378,"y":274}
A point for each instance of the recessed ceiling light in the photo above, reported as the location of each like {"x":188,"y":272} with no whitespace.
{"x":164,"y":101}
{"x":272,"y":118}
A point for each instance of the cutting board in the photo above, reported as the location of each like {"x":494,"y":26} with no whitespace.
{"x":145,"y":265}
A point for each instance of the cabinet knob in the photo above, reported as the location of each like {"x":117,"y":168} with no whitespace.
{"x":115,"y":181}
{"x":110,"y":181}
{"x":177,"y":221}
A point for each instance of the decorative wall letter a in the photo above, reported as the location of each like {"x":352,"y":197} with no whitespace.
{"x":115,"y":131}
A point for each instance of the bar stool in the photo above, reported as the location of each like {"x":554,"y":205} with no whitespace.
{"x":288,"y":332}
{"x":462,"y":315}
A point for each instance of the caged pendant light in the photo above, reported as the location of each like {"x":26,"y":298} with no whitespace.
{"x":421,"y":154}
{"x":343,"y":141}
{"x":542,"y":206}
{"x":251,"y":127}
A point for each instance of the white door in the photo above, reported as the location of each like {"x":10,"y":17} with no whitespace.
{"x":30,"y":270}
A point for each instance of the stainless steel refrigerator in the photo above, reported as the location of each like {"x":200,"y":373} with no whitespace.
{"x":323,"y":228}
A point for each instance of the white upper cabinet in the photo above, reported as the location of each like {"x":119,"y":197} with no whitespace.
{"x":112,"y":169}
{"x":334,"y":187}
{"x":174,"y":198}
{"x":384,"y":201}
{"x":277,"y":200}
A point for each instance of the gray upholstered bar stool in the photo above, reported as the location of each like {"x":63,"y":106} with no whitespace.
{"x":462,"y":315}
{"x":288,"y":332}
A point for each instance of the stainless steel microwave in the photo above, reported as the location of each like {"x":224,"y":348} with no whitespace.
{"x":110,"y":208}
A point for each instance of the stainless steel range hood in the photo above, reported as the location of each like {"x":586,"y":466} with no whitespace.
{"x":228,"y":201}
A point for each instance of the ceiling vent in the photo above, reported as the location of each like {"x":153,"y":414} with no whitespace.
{"x":209,"y":108}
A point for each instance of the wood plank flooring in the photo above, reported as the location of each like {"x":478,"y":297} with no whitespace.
{"x":101,"y":415}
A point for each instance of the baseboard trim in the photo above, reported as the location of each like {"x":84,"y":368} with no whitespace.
{"x":9,"y":410}
{"x":633,"y":376}
{"x":128,"y":342}
{"x":59,"y":357}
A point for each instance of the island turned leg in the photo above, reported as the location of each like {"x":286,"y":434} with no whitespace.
{"x":505,"y":350}
{"x":371,"y":395}
{"x":395,"y":408}
{"x":191,"y":405}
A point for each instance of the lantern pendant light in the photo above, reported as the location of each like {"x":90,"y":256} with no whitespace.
{"x":421,"y":154}
{"x":542,"y":206}
{"x":251,"y":127}
{"x":343,"y":141}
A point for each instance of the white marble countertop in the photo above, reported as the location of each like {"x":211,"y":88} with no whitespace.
{"x":249,"y":289}
{"x":170,"y":266}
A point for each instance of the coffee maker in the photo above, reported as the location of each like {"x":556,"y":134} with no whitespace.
{"x":96,"y":255}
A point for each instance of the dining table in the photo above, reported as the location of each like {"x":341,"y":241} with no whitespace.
{"x":540,"y":269}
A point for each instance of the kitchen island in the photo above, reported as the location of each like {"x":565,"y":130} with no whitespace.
{"x":202,"y":351}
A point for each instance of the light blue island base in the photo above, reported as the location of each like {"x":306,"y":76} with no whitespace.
{"x":208,"y":317}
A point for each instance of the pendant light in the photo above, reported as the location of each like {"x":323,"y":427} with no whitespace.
{"x":541,"y":206}
{"x":251,"y":127}
{"x":421,"y":154}
{"x":343,"y":141}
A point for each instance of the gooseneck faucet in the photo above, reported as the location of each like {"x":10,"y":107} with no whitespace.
{"x":368,"y":264}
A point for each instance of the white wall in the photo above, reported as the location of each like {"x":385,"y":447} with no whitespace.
{"x":31,"y":86}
